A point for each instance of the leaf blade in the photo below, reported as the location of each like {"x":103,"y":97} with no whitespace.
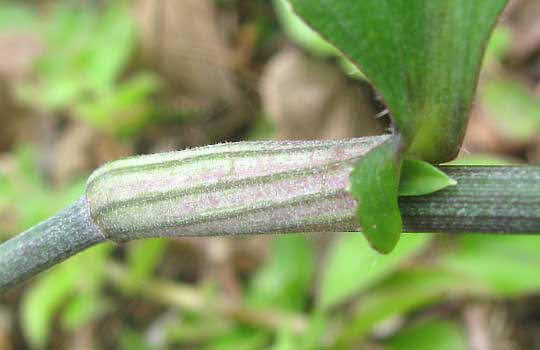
{"x":415,"y":52}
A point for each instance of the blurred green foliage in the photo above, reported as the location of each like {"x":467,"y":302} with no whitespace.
{"x":497,"y":47}
{"x":27,"y":195}
{"x":285,"y":281}
{"x":84,"y":66}
{"x":352,"y":267}
{"x":71,"y":291}
{"x":441,"y":335}
{"x":13,"y":15}
{"x":513,"y":108}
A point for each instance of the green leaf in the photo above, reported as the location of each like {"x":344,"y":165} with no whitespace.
{"x":374,"y":183}
{"x":310,"y":40}
{"x":131,"y":339}
{"x":82,"y":309}
{"x":302,"y":34}
{"x":498,"y":45}
{"x":129,"y":103}
{"x":317,"y":328}
{"x":286,"y":278}
{"x":87,"y":52}
{"x":16,"y":16}
{"x":285,"y":340}
{"x":6,"y":192}
{"x":110,"y":46}
{"x":43,"y":300}
{"x":241,"y":338}
{"x":46,"y":296}
{"x":514,"y":110}
{"x":435,"y":334}
{"x":423,"y":56}
{"x":35,"y":201}
{"x":352,"y":267}
{"x":507,"y":264}
{"x":143,"y":259}
{"x":402,"y":292}
{"x":420,"y":178}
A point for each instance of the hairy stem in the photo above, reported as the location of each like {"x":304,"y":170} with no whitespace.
{"x":257,"y":188}
{"x":47,"y":244}
{"x":226,"y":189}
{"x":487,"y":199}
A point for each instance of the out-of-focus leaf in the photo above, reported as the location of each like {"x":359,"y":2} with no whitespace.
{"x":302,"y":34}
{"x":285,"y":340}
{"x":60,"y":70}
{"x":123,"y":110}
{"x":375,"y":183}
{"x":286,"y":278}
{"x":497,"y":45}
{"x":416,"y":52}
{"x":507,"y":264}
{"x":88,"y":303}
{"x":27,"y":165}
{"x":309,"y":39}
{"x":312,"y":338}
{"x":143,"y":259}
{"x":317,"y":328}
{"x":88,"y":47}
{"x":263,"y":129}
{"x":132,"y":340}
{"x":436,"y":334}
{"x":192,"y":329}
{"x":40,"y":203}
{"x":82,"y":309}
{"x":402,"y":292}
{"x":241,"y":338}
{"x":419,"y":178}
{"x":5,"y":192}
{"x":110,"y":46}
{"x":18,"y":16}
{"x":33,"y":200}
{"x":515,"y":111}
{"x":352,"y":267}
{"x":87,"y":52}
{"x":44,"y":299}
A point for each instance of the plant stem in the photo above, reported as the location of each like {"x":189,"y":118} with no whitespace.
{"x":487,"y":199}
{"x":47,"y":244}
{"x":258,"y":188}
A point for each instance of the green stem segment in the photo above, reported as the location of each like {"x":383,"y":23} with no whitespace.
{"x":256,"y":188}
{"x":487,"y":199}
{"x":48,"y":243}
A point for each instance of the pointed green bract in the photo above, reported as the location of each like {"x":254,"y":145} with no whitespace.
{"x":419,"y":178}
{"x":374,"y":183}
{"x":423,"y":56}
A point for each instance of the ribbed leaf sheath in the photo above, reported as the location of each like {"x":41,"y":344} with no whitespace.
{"x":487,"y":199}
{"x":237,"y":188}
